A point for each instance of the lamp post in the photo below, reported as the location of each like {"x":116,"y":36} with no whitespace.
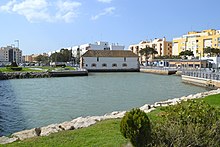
{"x":200,"y":62}
{"x":17,"y":43}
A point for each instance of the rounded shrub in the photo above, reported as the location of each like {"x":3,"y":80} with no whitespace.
{"x":135,"y":126}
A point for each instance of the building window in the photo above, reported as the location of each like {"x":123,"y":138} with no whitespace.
{"x":93,"y":65}
{"x":97,"y":59}
{"x":104,"y":65}
{"x":125,"y":59}
{"x":124,"y":65}
{"x":114,"y":65}
{"x":86,"y":65}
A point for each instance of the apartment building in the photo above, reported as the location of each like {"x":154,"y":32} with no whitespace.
{"x":10,"y":54}
{"x":196,"y":42}
{"x":163,"y":47}
{"x":32,"y":58}
{"x":78,"y":50}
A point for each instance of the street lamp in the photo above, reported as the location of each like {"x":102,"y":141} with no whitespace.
{"x":17,"y":43}
{"x":200,"y":62}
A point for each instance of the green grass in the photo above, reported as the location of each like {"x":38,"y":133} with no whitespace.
{"x":105,"y":133}
{"x":213,"y":100}
{"x":24,"y":69}
{"x":31,"y":69}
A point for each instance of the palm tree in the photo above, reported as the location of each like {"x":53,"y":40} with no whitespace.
{"x":147,"y":52}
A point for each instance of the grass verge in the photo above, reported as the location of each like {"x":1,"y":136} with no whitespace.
{"x":105,"y":133}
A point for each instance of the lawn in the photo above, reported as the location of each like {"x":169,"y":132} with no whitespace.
{"x":105,"y":133}
{"x":36,"y":69}
{"x":213,"y":100}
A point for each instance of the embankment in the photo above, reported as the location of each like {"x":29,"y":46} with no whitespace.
{"x":159,"y":71}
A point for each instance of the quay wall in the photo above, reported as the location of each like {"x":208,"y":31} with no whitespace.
{"x":210,"y":83}
{"x":82,"y":122}
{"x":27,"y":75}
{"x":23,"y":75}
{"x":158,"y":71}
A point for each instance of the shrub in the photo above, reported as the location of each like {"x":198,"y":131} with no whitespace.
{"x":16,"y":68}
{"x":191,"y":123}
{"x":14,"y":64}
{"x":135,"y":125}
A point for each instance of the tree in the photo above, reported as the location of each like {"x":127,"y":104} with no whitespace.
{"x":148,"y":51}
{"x":64,"y":55}
{"x":42,"y":58}
{"x":186,"y":53}
{"x":211,"y":51}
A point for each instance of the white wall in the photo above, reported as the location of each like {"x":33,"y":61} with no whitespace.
{"x":207,"y":43}
{"x":117,"y":47}
{"x":132,"y":62}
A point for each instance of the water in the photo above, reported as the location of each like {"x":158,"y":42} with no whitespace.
{"x":30,"y":103}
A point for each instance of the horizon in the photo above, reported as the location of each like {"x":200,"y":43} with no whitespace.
{"x":45,"y":25}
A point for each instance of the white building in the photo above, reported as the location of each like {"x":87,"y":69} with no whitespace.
{"x":10,"y":54}
{"x":110,"y":60}
{"x":213,"y":61}
{"x":78,"y":50}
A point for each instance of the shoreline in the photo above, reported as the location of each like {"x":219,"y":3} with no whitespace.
{"x":31,"y":75}
{"x":83,"y":122}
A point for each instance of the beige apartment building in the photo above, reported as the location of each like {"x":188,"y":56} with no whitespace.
{"x":196,"y":42}
{"x":32,"y":58}
{"x":163,"y":47}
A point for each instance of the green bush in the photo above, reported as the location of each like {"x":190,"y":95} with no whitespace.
{"x":16,"y":68}
{"x":135,"y":125}
{"x":14,"y":64}
{"x":191,"y":123}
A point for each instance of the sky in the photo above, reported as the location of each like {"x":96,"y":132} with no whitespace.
{"x":48,"y":25}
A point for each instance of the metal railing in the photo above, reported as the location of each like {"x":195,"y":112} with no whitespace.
{"x":158,"y":68}
{"x":202,"y":74}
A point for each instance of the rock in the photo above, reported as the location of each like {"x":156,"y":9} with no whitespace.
{"x":98,"y":118}
{"x":149,"y":110}
{"x":114,"y":115}
{"x":27,"y":134}
{"x":5,"y":140}
{"x":53,"y":128}
{"x":81,"y":122}
{"x":145,"y":107}
{"x":67,"y":125}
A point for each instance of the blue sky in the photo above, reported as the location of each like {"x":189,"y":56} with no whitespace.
{"x":46,"y":25}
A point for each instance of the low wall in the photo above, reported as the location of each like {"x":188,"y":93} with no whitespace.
{"x":114,"y":70}
{"x":68,"y":73}
{"x":82,"y":122}
{"x":201,"y":81}
{"x":23,"y":75}
{"x":158,"y":71}
{"x":27,"y":75}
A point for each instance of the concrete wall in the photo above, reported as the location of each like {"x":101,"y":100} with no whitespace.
{"x":201,"y":81}
{"x":158,"y":71}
